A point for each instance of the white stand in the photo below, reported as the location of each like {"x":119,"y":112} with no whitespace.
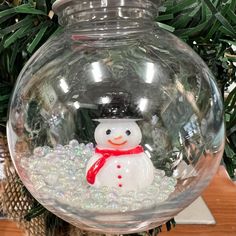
{"x":196,"y":213}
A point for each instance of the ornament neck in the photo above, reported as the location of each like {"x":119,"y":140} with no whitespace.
{"x":106,"y":17}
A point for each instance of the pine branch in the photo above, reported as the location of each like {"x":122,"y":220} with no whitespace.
{"x":29,"y":24}
{"x":24,"y":27}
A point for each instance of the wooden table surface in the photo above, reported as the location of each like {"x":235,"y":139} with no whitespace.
{"x":220,"y":197}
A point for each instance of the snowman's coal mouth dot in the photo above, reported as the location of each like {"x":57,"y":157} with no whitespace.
{"x":117,"y":144}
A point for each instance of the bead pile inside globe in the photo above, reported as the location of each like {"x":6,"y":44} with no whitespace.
{"x":64,"y":183}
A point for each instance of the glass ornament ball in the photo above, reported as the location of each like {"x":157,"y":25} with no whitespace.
{"x":115,"y":125}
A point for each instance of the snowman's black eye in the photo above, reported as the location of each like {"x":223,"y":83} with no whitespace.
{"x":128,"y":132}
{"x":108,"y":131}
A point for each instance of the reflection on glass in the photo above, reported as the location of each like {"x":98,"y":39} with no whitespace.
{"x":105,"y":100}
{"x":97,"y":72}
{"x":143,"y":102}
{"x":77,"y":105}
{"x":150,"y":72}
{"x":64,"y":86}
{"x":149,"y":147}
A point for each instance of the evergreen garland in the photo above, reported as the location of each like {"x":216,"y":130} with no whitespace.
{"x":208,"y":26}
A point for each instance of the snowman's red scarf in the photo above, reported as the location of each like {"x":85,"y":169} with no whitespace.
{"x":106,"y":153}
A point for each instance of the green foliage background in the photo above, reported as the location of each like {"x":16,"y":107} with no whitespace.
{"x":208,"y":26}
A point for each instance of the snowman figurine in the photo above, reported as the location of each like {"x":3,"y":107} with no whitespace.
{"x":119,"y":161}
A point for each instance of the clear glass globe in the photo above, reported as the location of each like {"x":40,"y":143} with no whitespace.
{"x":115,"y":125}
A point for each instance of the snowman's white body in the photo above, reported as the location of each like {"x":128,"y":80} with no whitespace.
{"x":126,"y":172}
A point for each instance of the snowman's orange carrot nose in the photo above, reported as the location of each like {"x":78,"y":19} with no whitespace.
{"x":119,"y":137}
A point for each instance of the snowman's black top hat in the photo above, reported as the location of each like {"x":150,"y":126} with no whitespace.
{"x":118,"y":105}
